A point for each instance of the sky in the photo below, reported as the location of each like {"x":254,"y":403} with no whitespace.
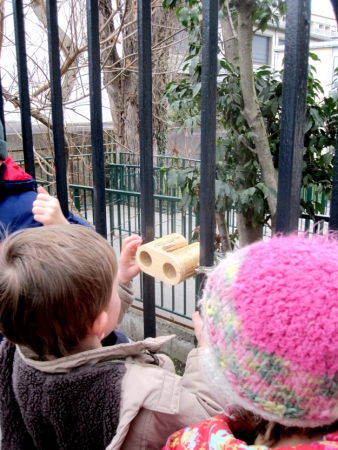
{"x":321,"y":7}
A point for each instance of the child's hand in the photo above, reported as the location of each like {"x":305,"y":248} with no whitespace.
{"x":199,"y":328}
{"x":47,"y":209}
{"x":128,"y":267}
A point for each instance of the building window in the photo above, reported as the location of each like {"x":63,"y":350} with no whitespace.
{"x":281,"y":41}
{"x":260,"y":49}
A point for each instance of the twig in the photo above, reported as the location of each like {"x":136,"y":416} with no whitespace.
{"x":230,"y":20}
{"x":243,"y":142}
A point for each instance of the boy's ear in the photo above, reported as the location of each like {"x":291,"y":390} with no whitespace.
{"x":99,"y":325}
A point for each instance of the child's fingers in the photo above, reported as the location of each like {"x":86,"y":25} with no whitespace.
{"x":133,"y":240}
{"x":134,"y":244}
{"x":40,"y":218}
{"x":38,"y":210}
{"x":44,"y":198}
{"x":40,"y":202}
{"x":42,"y":190}
{"x":130,"y":250}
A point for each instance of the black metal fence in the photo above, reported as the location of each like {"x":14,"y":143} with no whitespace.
{"x":292,"y":130}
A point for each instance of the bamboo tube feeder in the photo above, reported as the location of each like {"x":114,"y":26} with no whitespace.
{"x":170,"y":258}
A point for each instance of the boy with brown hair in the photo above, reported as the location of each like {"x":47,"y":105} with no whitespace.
{"x":59,"y":388}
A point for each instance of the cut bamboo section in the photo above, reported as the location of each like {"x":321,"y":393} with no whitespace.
{"x":170,"y":258}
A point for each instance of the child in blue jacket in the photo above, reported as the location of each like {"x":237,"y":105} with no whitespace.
{"x":22,"y":205}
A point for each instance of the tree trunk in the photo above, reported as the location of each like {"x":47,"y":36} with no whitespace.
{"x":246,"y":231}
{"x":161,"y":40}
{"x":120,"y":74}
{"x":252,"y":111}
{"x":229,"y":35}
{"x":223,"y":231}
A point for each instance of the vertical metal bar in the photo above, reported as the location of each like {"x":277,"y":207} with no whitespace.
{"x":2,"y":117}
{"x":167,"y":216}
{"x":57,"y":111}
{"x":308,"y":198}
{"x":85,"y":203}
{"x":77,"y":199}
{"x":129,"y":179}
{"x":122,"y":175}
{"x":335,"y":7}
{"x":25,"y":113}
{"x":138,"y":202}
{"x":94,"y":63}
{"x":297,"y":36}
{"x":161,"y":183}
{"x":111,"y":217}
{"x":172,"y":212}
{"x":333,"y":223}
{"x":146,"y":154}
{"x":119,"y":217}
{"x":129,"y":215}
{"x":184,"y":224}
{"x":3,"y":144}
{"x":208,"y":131}
{"x":116,"y":177}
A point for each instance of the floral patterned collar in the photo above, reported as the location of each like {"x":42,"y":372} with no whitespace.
{"x":215,"y":434}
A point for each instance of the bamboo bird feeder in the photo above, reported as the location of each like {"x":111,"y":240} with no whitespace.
{"x":170,"y":258}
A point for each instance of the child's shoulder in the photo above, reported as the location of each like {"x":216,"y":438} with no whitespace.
{"x":134,"y":353}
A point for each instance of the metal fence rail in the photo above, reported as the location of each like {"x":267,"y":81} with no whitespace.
{"x":124,"y":218}
{"x":123,"y":175}
{"x":123,"y":212}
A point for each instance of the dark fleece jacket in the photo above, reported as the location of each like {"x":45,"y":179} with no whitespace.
{"x":75,"y":410}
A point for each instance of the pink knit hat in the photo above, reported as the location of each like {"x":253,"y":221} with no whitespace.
{"x":271,"y":312}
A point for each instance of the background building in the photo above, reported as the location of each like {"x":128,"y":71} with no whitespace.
{"x":268,"y":48}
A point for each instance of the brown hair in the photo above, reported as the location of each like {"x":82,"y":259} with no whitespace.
{"x":54,"y":281}
{"x":247,"y":427}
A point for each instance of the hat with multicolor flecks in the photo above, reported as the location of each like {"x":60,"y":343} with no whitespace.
{"x":271,"y":313}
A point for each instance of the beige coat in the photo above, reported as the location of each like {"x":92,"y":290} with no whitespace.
{"x":155,"y":401}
